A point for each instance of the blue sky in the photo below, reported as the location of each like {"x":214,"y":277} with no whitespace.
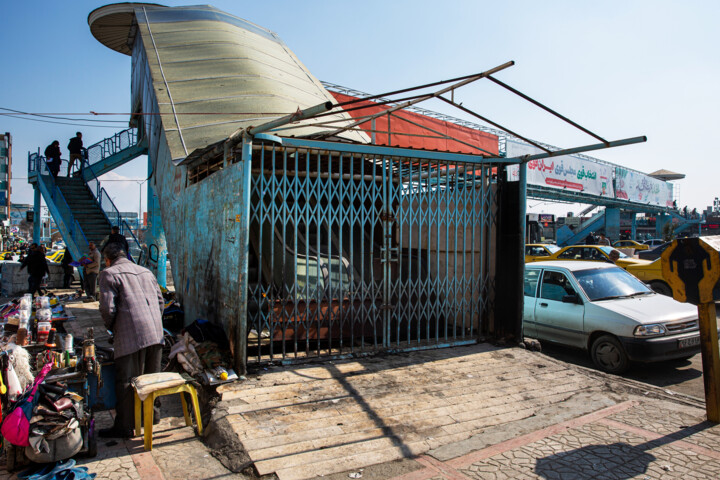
{"x":619,"y":68}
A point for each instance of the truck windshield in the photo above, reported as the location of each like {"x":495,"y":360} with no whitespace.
{"x":607,"y":283}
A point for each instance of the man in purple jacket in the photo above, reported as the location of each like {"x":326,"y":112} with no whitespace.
{"x":131,"y":305}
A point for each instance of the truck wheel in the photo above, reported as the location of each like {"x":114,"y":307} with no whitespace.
{"x":662,"y":288}
{"x":608,"y":355}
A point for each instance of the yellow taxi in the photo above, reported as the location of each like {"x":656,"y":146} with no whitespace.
{"x":630,"y":244}
{"x":652,"y":274}
{"x":535,"y":250}
{"x":56,"y":256}
{"x":596,"y":253}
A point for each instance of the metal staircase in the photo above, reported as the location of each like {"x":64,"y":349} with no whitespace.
{"x":566,"y":237}
{"x":684,"y":223}
{"x":93,"y":222}
{"x":81,"y":208}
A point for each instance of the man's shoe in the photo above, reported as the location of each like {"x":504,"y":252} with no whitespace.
{"x":114,"y":433}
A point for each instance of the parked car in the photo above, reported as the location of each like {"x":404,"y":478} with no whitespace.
{"x":56,"y":256}
{"x":653,"y":242}
{"x":630,"y":244}
{"x":654,"y":253}
{"x":595,"y":253}
{"x":606,"y":311}
{"x":535,"y":250}
{"x":652,"y":274}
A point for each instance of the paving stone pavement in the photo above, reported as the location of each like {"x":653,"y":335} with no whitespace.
{"x":527,"y":417}
{"x":639,"y":439}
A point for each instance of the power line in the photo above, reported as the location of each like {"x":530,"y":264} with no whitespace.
{"x":19,"y":112}
{"x":61,"y":123}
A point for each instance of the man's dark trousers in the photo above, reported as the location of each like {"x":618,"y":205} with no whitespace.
{"x":34,"y":285}
{"x":144,"y":361}
{"x":90,"y":283}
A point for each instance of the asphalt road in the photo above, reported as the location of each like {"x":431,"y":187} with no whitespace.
{"x":683,"y":376}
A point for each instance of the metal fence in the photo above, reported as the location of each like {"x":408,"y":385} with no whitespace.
{"x":354,"y":252}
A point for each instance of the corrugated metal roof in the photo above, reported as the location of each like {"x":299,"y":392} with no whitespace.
{"x":215,"y":73}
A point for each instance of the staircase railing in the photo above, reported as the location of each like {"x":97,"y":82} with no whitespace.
{"x":38,"y":165}
{"x":112,"y":213}
{"x":589,"y":221}
{"x":110,"y":146}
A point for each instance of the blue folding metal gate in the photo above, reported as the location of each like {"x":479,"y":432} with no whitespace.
{"x":360,"y":251}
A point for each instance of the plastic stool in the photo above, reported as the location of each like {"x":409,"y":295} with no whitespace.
{"x":157,"y":385}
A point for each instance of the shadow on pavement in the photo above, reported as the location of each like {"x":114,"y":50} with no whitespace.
{"x":621,"y":460}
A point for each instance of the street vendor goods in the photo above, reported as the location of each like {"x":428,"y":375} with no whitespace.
{"x":16,"y":426}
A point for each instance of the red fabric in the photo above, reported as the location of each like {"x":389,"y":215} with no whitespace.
{"x":399,"y":130}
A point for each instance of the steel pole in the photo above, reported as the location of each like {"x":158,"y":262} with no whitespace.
{"x":710,"y":359}
{"x":240,"y":330}
{"x":522,"y":211}
{"x":37,"y":220}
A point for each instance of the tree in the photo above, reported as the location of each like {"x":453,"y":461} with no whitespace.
{"x":668,"y":231}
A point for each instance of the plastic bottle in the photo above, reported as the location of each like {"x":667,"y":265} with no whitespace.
{"x":43,"y":329}
{"x":43,"y":315}
{"x":220,"y":373}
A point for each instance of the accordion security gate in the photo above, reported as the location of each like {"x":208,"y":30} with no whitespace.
{"x":352,"y":252}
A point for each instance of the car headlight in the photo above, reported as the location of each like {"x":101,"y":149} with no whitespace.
{"x":649,"y":330}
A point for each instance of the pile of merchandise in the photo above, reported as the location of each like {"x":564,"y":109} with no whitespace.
{"x":43,"y":384}
{"x":203,"y":351}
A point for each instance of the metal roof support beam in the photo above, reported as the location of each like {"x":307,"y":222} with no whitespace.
{"x":379,"y":151}
{"x":471,"y":79}
{"x":496,"y":125}
{"x":547,"y":109}
{"x":586,"y":148}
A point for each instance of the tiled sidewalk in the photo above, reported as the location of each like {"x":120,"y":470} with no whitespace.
{"x":638,"y":439}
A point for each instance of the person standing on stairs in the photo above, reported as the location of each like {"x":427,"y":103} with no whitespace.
{"x":75,"y":148}
{"x":52,"y":157}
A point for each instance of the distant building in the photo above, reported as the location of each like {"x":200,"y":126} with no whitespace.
{"x":18,"y":213}
{"x":5,"y":174}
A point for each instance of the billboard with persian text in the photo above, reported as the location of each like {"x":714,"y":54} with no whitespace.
{"x":636,"y":187}
{"x":566,"y":172}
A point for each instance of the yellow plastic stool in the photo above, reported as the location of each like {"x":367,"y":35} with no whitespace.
{"x":157,"y":385}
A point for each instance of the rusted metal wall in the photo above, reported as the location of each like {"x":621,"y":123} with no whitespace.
{"x":200,"y":219}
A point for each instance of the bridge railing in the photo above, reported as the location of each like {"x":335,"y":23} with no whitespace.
{"x":110,"y":146}
{"x":57,"y":202}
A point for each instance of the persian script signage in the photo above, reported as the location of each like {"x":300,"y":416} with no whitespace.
{"x":567,"y":172}
{"x":636,"y":187}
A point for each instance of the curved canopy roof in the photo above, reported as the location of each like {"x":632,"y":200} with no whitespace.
{"x":114,"y":25}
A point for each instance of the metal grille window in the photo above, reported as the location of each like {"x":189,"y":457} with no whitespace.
{"x":353,"y":253}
